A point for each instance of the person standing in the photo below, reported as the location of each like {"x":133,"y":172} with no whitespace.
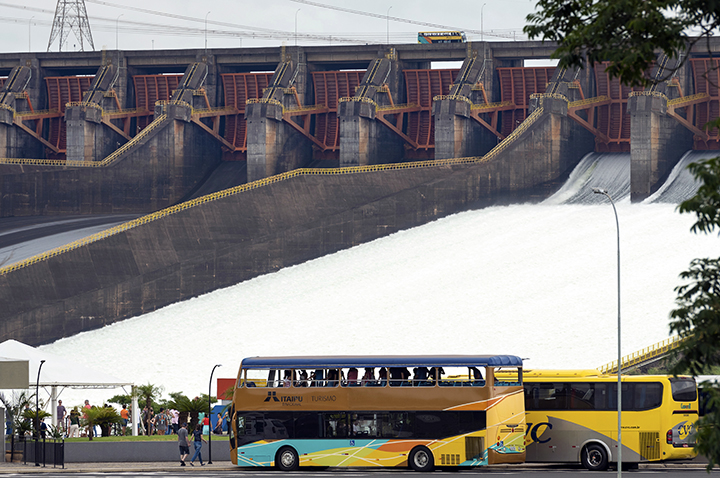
{"x":74,"y":423}
{"x":125,"y":415}
{"x":160,"y":422}
{"x":61,"y":412}
{"x":174,"y":420}
{"x":184,"y":443}
{"x":87,"y":407}
{"x":198,"y":441}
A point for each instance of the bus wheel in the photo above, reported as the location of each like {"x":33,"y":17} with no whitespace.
{"x":421,"y":459}
{"x":287,"y":459}
{"x":594,"y":458}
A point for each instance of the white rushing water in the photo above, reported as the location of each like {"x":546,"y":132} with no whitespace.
{"x":538,"y":281}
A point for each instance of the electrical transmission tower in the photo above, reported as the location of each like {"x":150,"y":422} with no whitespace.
{"x":71,"y":16}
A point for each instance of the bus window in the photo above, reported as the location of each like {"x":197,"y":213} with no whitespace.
{"x":335,"y":425}
{"x":399,"y":377}
{"x":508,"y":376}
{"x":317,"y":378}
{"x":552,"y":396}
{"x":683,"y":389}
{"x":351,"y":377}
{"x":647,"y":396}
{"x":257,"y":378}
{"x":582,"y":396}
{"x":364,"y":425}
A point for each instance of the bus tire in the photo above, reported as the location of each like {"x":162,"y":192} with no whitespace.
{"x":287,"y":459}
{"x":421,"y":459}
{"x":594,"y":458}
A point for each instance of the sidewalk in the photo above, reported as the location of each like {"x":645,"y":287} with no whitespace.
{"x":136,"y":467}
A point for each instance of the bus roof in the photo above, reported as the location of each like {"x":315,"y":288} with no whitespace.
{"x":381,"y":361}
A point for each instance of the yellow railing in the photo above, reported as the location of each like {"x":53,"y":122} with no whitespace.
{"x":656,"y":94}
{"x":453,"y":97}
{"x":304,"y":108}
{"x":226,"y":109}
{"x":396,"y":107}
{"x":588,"y":101}
{"x":90,"y":164}
{"x":3,"y":106}
{"x":655,"y":350}
{"x":36,"y":112}
{"x":683,"y":99}
{"x":271,"y":101}
{"x":487,"y":106}
{"x":358,"y":99}
{"x":514,"y":135}
{"x":84,"y":104}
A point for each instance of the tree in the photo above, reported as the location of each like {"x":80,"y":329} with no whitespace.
{"x":147,"y":394}
{"x":697,"y":316}
{"x":626,"y":33}
{"x":101,"y":416}
{"x":192,"y":407}
{"x":15,"y":405}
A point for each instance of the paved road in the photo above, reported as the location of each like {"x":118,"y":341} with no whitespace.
{"x":24,"y":237}
{"x":225,"y":469}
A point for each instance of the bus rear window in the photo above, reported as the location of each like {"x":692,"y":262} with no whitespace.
{"x":683,"y":389}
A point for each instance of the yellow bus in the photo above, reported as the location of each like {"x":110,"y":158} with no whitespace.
{"x":378,"y":411}
{"x":572,"y":417}
{"x":441,"y":37}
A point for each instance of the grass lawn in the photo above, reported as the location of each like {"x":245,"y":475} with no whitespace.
{"x":218,"y":438}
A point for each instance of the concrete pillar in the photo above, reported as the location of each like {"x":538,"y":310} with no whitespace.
{"x":657,"y":142}
{"x":83,"y":125}
{"x":453,"y":129}
{"x":358,"y":133}
{"x":263,"y":125}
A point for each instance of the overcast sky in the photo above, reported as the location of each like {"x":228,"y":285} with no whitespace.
{"x":172,"y":24}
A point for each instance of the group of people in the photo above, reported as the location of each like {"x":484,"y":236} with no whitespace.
{"x":69,"y":422}
{"x":164,"y":422}
{"x":422,"y":376}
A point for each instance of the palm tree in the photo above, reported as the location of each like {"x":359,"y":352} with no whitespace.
{"x":102,"y":416}
{"x":147,"y":394}
{"x":193,"y":407}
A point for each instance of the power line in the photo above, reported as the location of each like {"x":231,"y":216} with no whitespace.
{"x":398,"y":19}
{"x":277,"y":33}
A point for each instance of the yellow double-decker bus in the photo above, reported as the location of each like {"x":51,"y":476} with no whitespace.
{"x":378,"y":411}
{"x":572,"y":417}
{"x":441,"y":37}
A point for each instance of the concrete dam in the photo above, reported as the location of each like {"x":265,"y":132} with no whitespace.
{"x":245,"y":161}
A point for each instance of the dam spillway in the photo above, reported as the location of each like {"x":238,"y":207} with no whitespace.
{"x":196,"y":248}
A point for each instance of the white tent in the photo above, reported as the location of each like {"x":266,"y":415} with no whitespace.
{"x":57,"y":373}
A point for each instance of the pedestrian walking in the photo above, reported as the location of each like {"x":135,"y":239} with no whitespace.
{"x":198,"y":440}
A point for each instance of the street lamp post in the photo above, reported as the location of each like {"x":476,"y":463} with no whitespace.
{"x":619,"y":335}
{"x":387,"y":16}
{"x":210,"y":416}
{"x":481,"y":22}
{"x":206,"y":15}
{"x":30,"y":33}
{"x":117,"y":30}
{"x":298,"y":11}
{"x":37,"y":416}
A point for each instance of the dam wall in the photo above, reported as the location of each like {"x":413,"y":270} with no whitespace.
{"x":221,"y":239}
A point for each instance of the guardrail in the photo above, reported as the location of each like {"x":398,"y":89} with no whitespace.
{"x":654,"y":351}
{"x":89,"y":164}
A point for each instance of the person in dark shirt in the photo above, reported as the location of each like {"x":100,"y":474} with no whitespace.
{"x":198,"y":441}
